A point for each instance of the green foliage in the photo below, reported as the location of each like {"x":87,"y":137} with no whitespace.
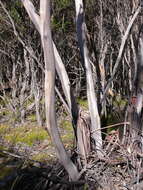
{"x":4,"y":129}
{"x":62,"y":4}
{"x":83,"y":103}
{"x":66,"y":124}
{"x":15,"y":14}
{"x":67,"y":136}
{"x":29,"y":101}
{"x":68,"y":139}
{"x":60,"y":24}
{"x":14,"y":11}
{"x":85,"y":186}
{"x":26,"y":135}
{"x":61,"y":18}
{"x":12,"y":116}
{"x":31,"y":117}
{"x":119,"y":102}
{"x":5,"y":112}
{"x":42,"y":156}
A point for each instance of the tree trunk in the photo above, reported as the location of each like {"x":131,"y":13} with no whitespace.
{"x":43,"y":25}
{"x":137,"y":112}
{"x":92,"y":101}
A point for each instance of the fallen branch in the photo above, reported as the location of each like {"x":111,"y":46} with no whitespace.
{"x":114,"y":125}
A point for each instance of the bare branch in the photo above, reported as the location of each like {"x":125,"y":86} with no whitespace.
{"x":123,"y":43}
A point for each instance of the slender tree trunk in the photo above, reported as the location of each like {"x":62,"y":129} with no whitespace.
{"x":92,"y":101}
{"x":137,"y":112}
{"x":42,"y":23}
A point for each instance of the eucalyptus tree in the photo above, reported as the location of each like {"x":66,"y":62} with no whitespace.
{"x":92,"y":101}
{"x":42,"y":23}
{"x":136,"y":117}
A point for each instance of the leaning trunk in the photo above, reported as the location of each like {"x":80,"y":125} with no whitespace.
{"x":49,"y":89}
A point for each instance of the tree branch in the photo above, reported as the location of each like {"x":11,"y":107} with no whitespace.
{"x":122,"y":47}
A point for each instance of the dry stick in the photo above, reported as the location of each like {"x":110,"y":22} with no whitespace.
{"x":63,"y":101}
{"x":118,"y":124}
{"x":113,"y":147}
{"x":123,"y":43}
{"x":114,"y":125}
{"x":4,"y":52}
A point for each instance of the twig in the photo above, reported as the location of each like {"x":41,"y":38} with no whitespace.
{"x":110,"y":126}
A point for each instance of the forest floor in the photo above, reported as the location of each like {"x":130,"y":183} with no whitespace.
{"x":33,"y":141}
{"x":29,"y":145}
{"x":28,"y":161}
